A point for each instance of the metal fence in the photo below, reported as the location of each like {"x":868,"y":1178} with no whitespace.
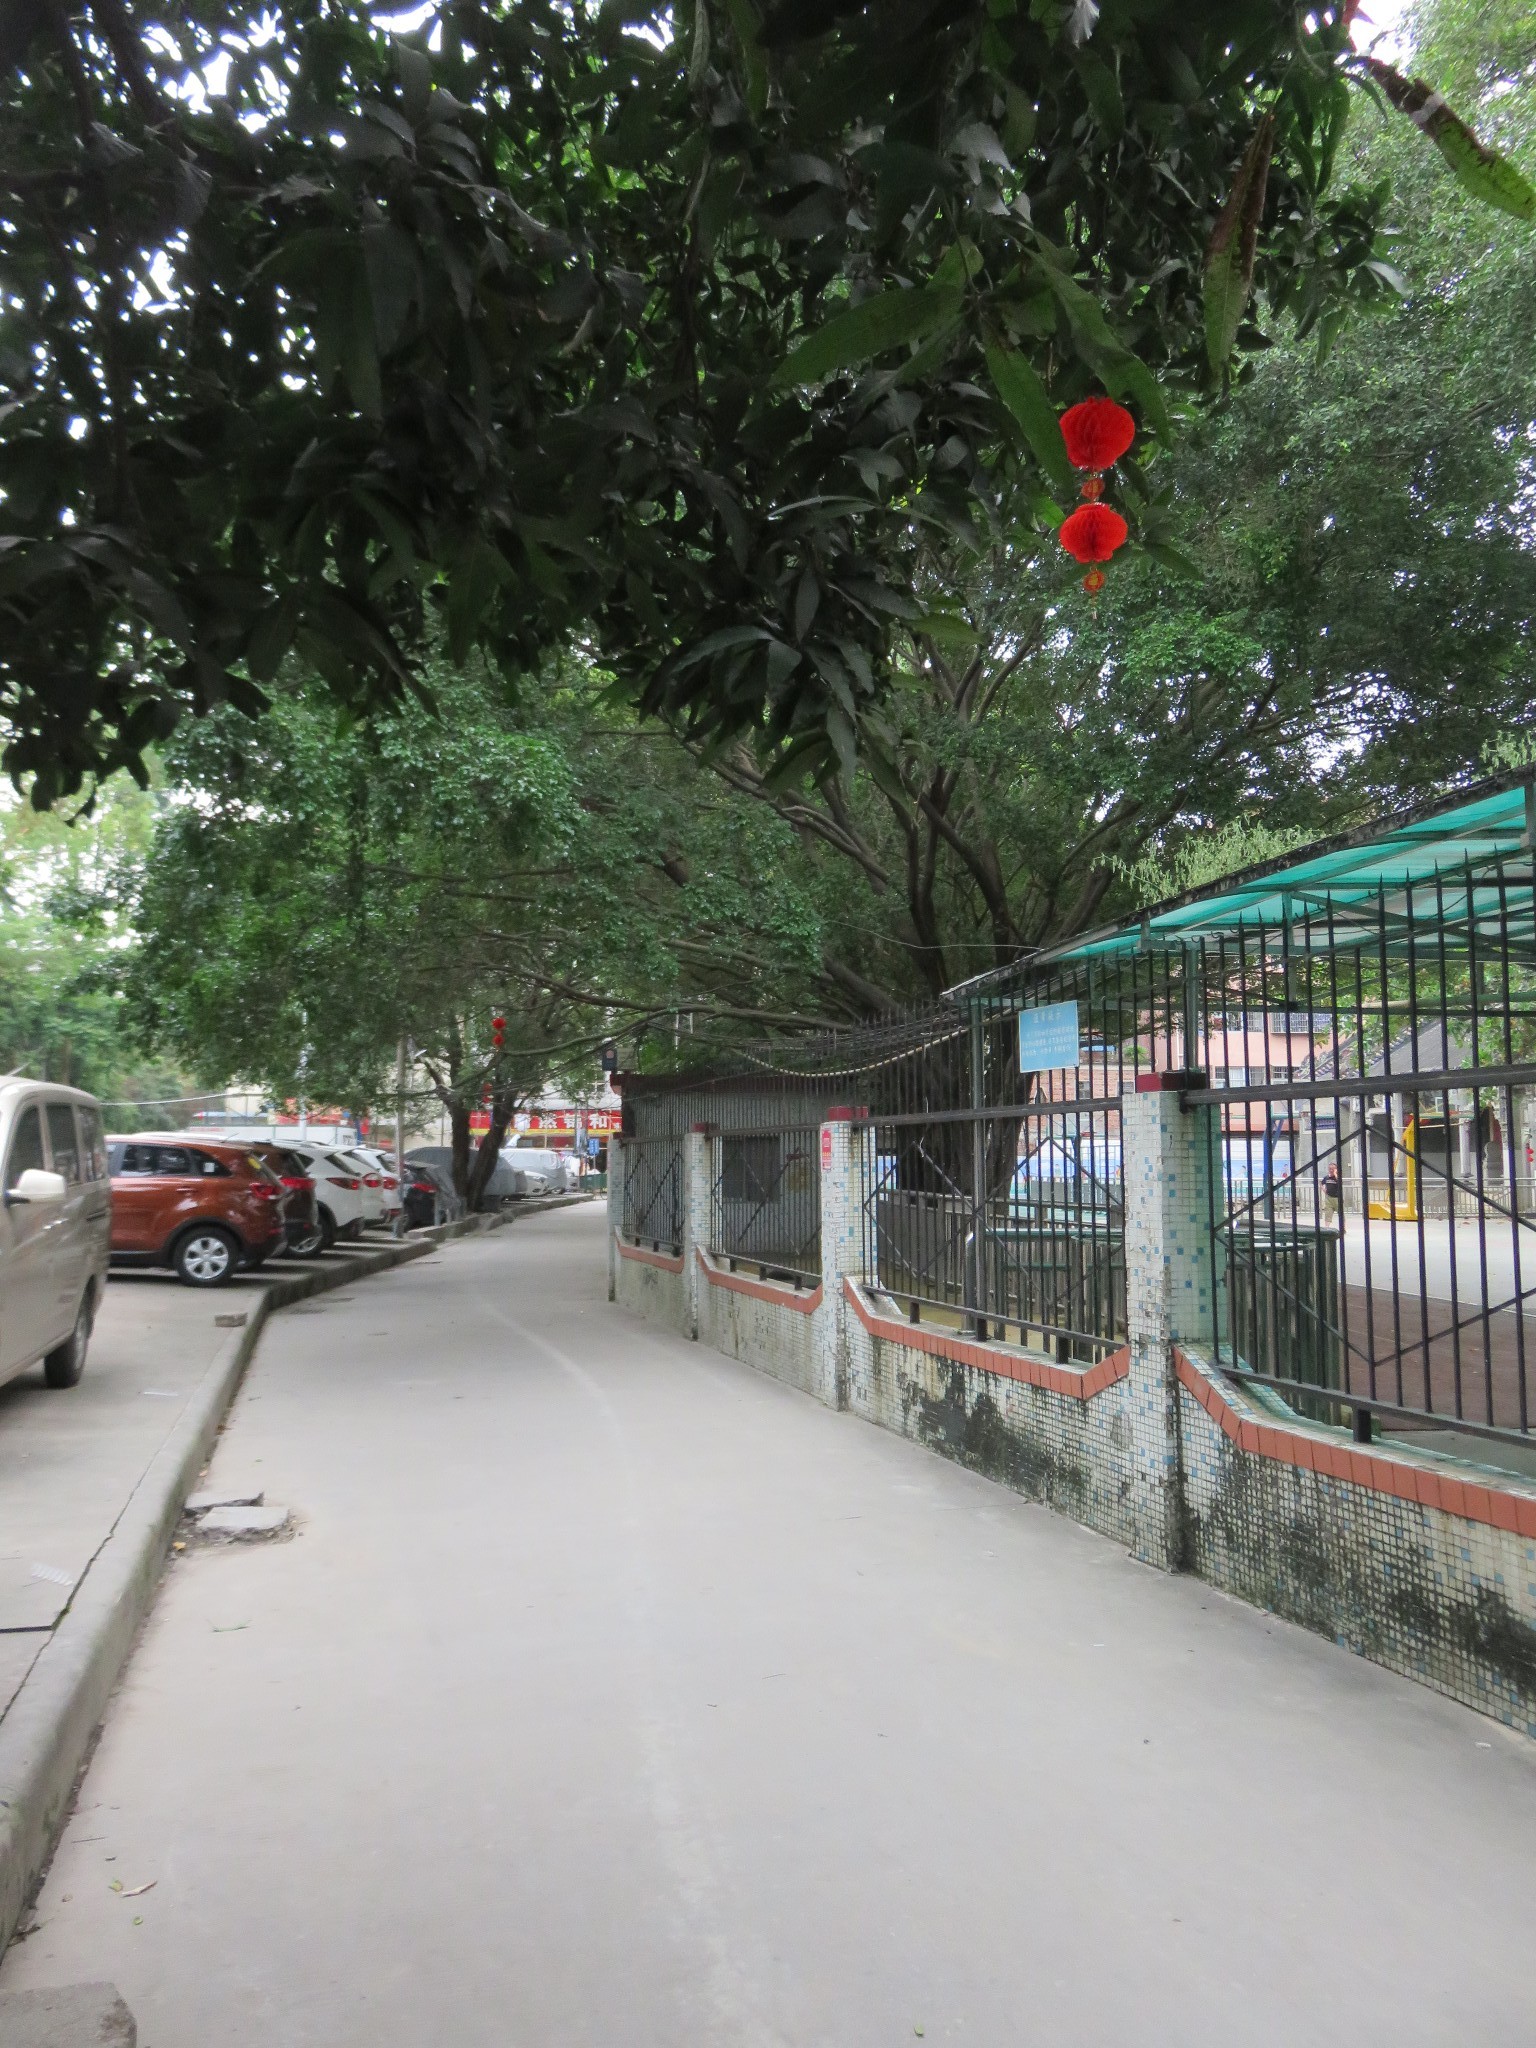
{"x":1357,"y":1029}
{"x":1010,"y":1219}
{"x":1371,"y":1217}
{"x":654,"y":1194}
{"x":765,"y":1200}
{"x":1366,"y":1059}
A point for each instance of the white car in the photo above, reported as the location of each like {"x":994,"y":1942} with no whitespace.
{"x":55,"y":1228}
{"x":381,"y":1167}
{"x":371,"y":1183}
{"x":557,"y":1171}
{"x":341,"y":1200}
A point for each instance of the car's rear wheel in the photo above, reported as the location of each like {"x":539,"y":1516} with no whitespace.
{"x":206,"y":1256}
{"x":310,"y":1243}
{"x":63,"y":1365}
{"x":327,"y":1229}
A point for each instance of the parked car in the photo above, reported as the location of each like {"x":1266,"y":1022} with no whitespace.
{"x":340,"y":1200}
{"x":203,"y":1209}
{"x":504,"y":1184}
{"x":55,"y":1228}
{"x":370,"y":1183}
{"x":429,"y":1195}
{"x":306,"y":1234}
{"x":382,"y":1168}
{"x":558,"y":1172}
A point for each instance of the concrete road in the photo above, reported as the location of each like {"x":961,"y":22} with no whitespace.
{"x":614,"y":1696}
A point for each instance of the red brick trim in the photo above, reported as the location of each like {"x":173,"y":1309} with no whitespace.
{"x":846,"y":1113}
{"x":781,"y":1292}
{"x":665,"y":1260}
{"x":1077,"y":1383}
{"x":1392,"y":1472}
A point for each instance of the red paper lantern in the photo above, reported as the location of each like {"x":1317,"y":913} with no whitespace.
{"x":1093,"y":532}
{"x":1097,"y":433}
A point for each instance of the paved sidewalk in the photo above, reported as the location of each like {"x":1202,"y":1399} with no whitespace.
{"x":612,"y":1695}
{"x":70,"y":1457}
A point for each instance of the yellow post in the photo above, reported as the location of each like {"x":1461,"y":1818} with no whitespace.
{"x":1406,"y":1211}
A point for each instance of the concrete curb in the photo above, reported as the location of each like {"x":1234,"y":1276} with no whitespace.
{"x":46,"y":1732}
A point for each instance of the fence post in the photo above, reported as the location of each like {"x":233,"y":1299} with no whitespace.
{"x":847,"y":1168}
{"x":1168,"y":1158}
{"x":698,"y":1193}
{"x":615,"y":1210}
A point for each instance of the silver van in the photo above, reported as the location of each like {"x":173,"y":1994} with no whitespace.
{"x":55,"y":1227}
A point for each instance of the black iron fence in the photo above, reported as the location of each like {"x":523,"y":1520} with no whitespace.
{"x":654,"y":1192}
{"x":1378,"y":1240}
{"x":1363,"y":1054}
{"x":1010,"y":1219}
{"x":765,"y":1200}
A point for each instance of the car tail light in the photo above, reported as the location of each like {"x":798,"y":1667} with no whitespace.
{"x":389,"y":1183}
{"x":371,"y":1180}
{"x":269,"y":1190}
{"x":296,"y":1180}
{"x":340,"y":1181}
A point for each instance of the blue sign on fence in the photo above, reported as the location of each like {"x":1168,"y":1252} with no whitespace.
{"x":1049,"y":1037}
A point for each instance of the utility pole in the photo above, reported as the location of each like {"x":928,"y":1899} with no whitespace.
{"x":400,"y":1135}
{"x":303,"y":1082}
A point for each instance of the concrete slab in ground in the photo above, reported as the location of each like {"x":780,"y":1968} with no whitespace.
{"x":243,"y":1523}
{"x":614,"y":1694}
{"x":72,"y":2016}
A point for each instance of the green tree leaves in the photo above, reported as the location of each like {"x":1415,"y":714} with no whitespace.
{"x":589,"y":319}
{"x":872,"y":328}
{"x":1021,"y":390}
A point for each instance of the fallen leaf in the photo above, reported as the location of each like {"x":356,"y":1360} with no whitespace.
{"x":230,"y":1628}
{"x":116,"y":1885}
{"x":138,"y":1919}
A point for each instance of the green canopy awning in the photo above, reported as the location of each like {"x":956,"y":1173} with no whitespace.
{"x":1443,"y":868}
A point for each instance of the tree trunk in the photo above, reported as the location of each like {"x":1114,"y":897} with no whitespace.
{"x":488,"y":1156}
{"x":458,"y":1137}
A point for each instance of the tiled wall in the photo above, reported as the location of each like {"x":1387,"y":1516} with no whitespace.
{"x":767,"y":1324}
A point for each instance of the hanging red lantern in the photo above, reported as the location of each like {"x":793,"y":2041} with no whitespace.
{"x":1093,"y":533}
{"x":1097,"y":433}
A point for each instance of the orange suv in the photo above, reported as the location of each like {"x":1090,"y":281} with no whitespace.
{"x":203,"y":1210}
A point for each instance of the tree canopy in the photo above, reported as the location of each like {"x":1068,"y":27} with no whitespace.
{"x":683,"y":326}
{"x":1356,"y":635}
{"x":317,"y":890}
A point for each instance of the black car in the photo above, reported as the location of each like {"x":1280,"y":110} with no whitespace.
{"x":429,"y":1195}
